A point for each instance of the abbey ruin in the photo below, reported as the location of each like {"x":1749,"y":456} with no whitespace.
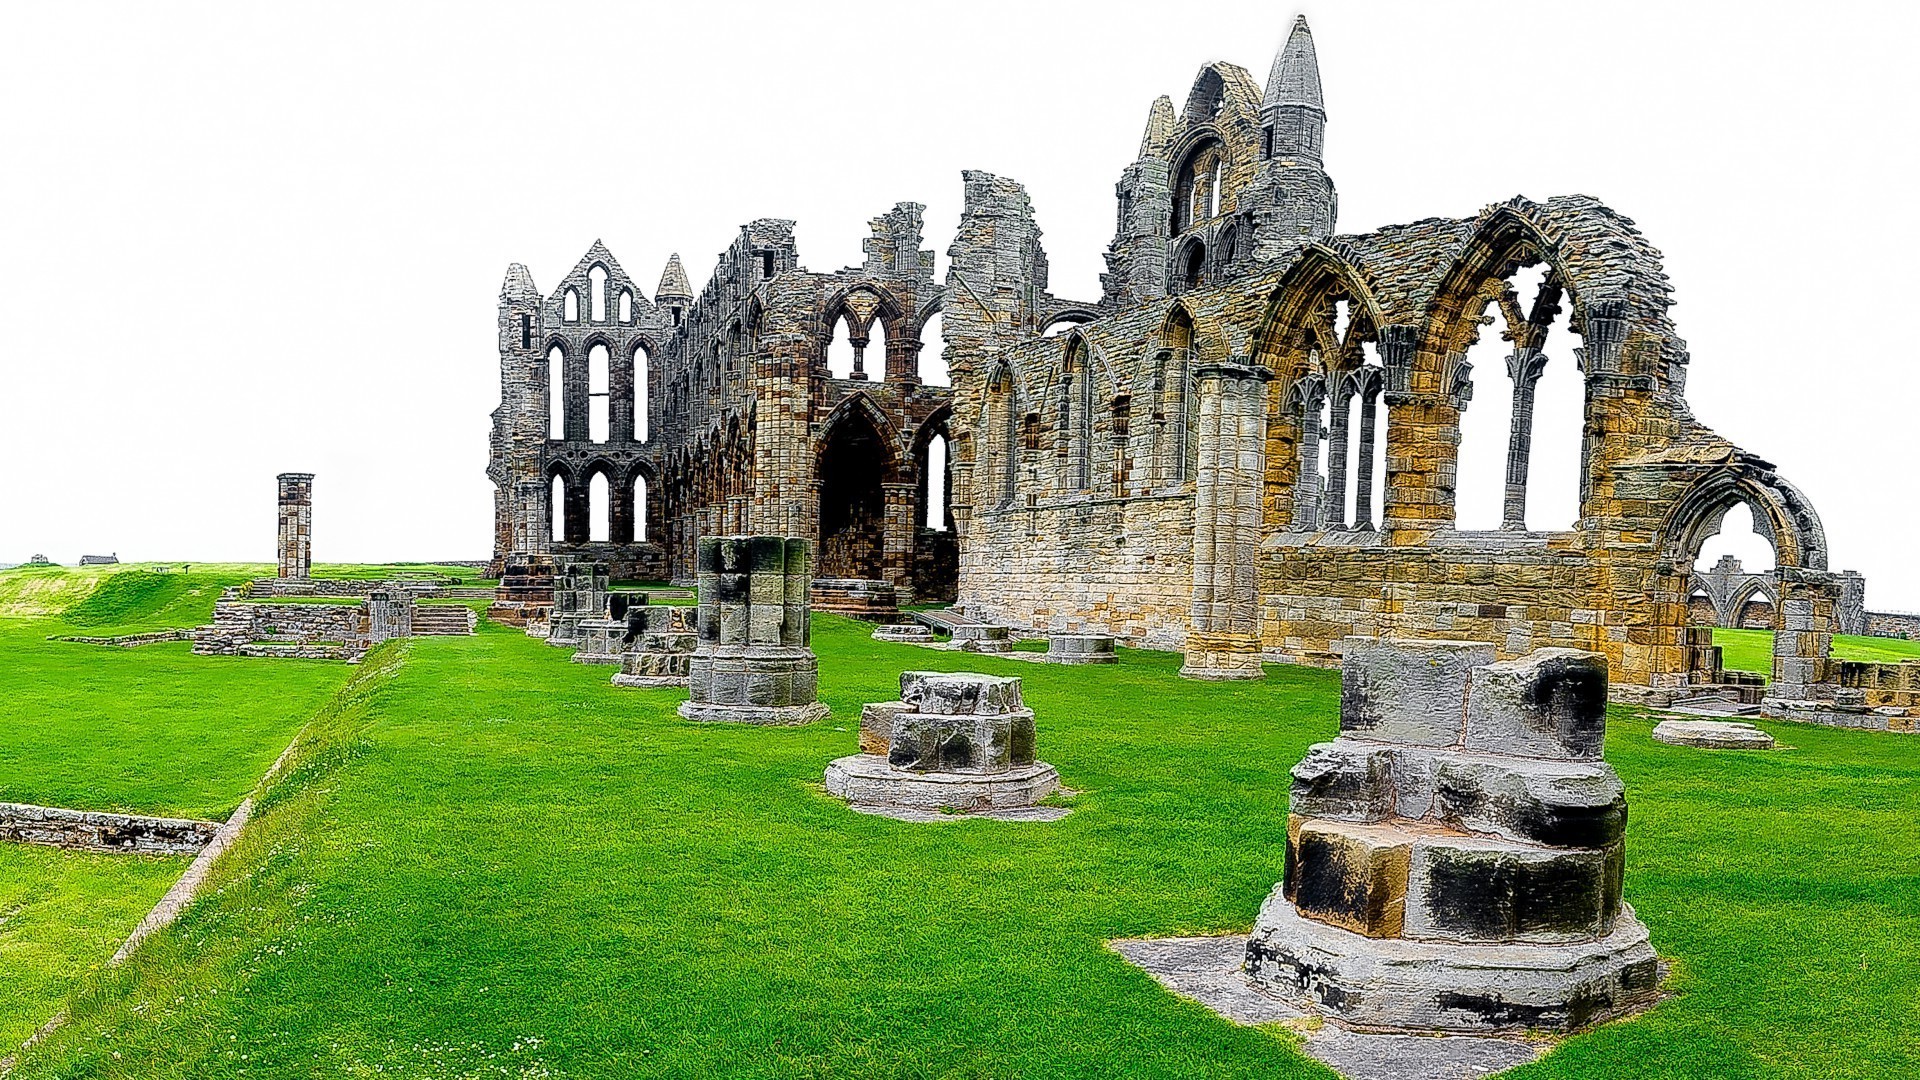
{"x":1246,"y":448}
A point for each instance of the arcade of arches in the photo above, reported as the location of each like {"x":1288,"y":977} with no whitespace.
{"x":1260,"y":439}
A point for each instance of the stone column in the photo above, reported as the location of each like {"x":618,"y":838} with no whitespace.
{"x":1363,"y":495}
{"x":1524,"y":366}
{"x":859,"y":357}
{"x":296,"y":525}
{"x":1334,"y":500}
{"x":1803,"y":646}
{"x":1223,"y":638}
{"x":1306,"y":484}
{"x":752,"y":664}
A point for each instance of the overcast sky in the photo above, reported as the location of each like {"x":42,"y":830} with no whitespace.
{"x":269,"y":237}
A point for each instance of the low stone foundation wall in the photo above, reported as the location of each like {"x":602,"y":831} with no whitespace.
{"x":1893,"y":624}
{"x":128,"y":641}
{"x":857,"y":598}
{"x":87,"y":830}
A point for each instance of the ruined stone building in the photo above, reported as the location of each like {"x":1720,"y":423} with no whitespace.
{"x":1248,"y":446}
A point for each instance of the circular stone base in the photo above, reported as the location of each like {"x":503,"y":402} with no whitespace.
{"x":908,"y":633}
{"x":867,"y":780}
{"x":621,"y":678}
{"x":1398,"y":985}
{"x":1081,"y":658}
{"x":753,"y":714}
{"x":1712,"y":735}
{"x":596,"y":658}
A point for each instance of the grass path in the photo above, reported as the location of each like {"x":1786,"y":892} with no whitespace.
{"x":489,"y":862}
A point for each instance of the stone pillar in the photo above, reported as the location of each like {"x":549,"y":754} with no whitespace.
{"x":1363,"y":496}
{"x":859,"y":357}
{"x":1803,"y":668}
{"x":1524,"y":366}
{"x":1223,"y":637}
{"x":296,"y":525}
{"x":1306,"y":484}
{"x":1454,"y":858}
{"x":752,"y":664}
{"x":1333,"y":508}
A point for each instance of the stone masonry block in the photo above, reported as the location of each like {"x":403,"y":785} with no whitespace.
{"x":959,"y":693}
{"x":1349,"y":875}
{"x":1475,"y":889}
{"x":1550,"y":703}
{"x":1345,"y":781}
{"x":1408,"y":691}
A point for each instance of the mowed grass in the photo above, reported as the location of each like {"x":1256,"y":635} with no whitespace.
{"x":489,"y":862}
{"x":62,"y":914}
{"x":1752,"y":650}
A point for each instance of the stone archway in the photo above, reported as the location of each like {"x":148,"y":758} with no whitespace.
{"x":856,"y":461}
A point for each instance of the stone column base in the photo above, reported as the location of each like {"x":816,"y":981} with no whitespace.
{"x":1393,"y":984}
{"x":753,"y":714}
{"x":868,"y":780}
{"x":621,"y":678}
{"x":1222,"y":657}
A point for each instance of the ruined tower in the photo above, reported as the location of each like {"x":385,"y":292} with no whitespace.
{"x":1293,"y":135}
{"x":296,"y":525}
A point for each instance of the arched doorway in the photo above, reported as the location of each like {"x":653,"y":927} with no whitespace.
{"x":856,"y":461}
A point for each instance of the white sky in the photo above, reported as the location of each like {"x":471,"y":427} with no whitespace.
{"x":269,"y":237}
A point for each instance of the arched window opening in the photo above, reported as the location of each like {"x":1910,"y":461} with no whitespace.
{"x":1196,"y":266}
{"x":735,"y":343}
{"x":597,"y":292}
{"x":570,"y":307}
{"x":1196,"y":189}
{"x":933,"y":353}
{"x":640,"y":509}
{"x":937,"y":482}
{"x":556,"y":393}
{"x":641,"y":375}
{"x":1079,"y":416}
{"x":1002,"y":440}
{"x":626,"y":305}
{"x":599,"y":507}
{"x":599,"y":396}
{"x":1065,"y":324}
{"x":1738,"y":537}
{"x":840,"y":359}
{"x":557,"y":510}
{"x":1524,"y":421}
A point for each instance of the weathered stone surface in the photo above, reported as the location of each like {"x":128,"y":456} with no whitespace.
{"x":1450,"y":864}
{"x":905,"y":633}
{"x":1344,"y":781}
{"x":1398,"y":984}
{"x":876,"y":726}
{"x":1549,"y":703}
{"x":1712,"y":735}
{"x":296,"y":525}
{"x":1348,"y":875}
{"x":92,"y":830}
{"x":957,"y":741}
{"x":1408,"y":691}
{"x":982,"y":639}
{"x":1081,"y":649}
{"x":751,"y":663}
{"x":959,"y":693}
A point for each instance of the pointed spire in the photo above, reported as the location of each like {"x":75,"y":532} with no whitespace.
{"x":519,"y":284}
{"x":673,"y":282}
{"x":1159,"y":133}
{"x":1295,"y":79}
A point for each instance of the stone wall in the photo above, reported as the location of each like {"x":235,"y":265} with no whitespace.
{"x":88,"y":830}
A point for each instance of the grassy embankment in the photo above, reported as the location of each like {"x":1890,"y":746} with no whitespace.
{"x":492,"y":863}
{"x":148,"y":730}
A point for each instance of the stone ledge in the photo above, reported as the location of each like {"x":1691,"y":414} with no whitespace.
{"x":88,"y":830}
{"x":866,"y":780}
{"x":765,"y":715}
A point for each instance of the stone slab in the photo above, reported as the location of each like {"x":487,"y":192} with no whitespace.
{"x":1423,"y":986}
{"x":1712,"y":735}
{"x":1209,"y":970}
{"x":764,"y":715}
{"x":867,"y":779}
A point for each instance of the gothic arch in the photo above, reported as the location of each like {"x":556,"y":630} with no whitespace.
{"x":1781,"y":514}
{"x":861,"y":405}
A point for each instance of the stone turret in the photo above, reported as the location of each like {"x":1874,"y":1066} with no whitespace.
{"x":1301,"y":203}
{"x":675,"y":292}
{"x":1137,"y":258}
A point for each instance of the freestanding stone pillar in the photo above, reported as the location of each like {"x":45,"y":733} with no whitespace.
{"x":752,"y":664}
{"x":296,"y":525}
{"x":1223,"y":635}
{"x":1454,"y":857}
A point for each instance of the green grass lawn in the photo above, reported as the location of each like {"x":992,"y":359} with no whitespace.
{"x":62,"y":914}
{"x":1752,"y":650}
{"x":490,"y":862}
